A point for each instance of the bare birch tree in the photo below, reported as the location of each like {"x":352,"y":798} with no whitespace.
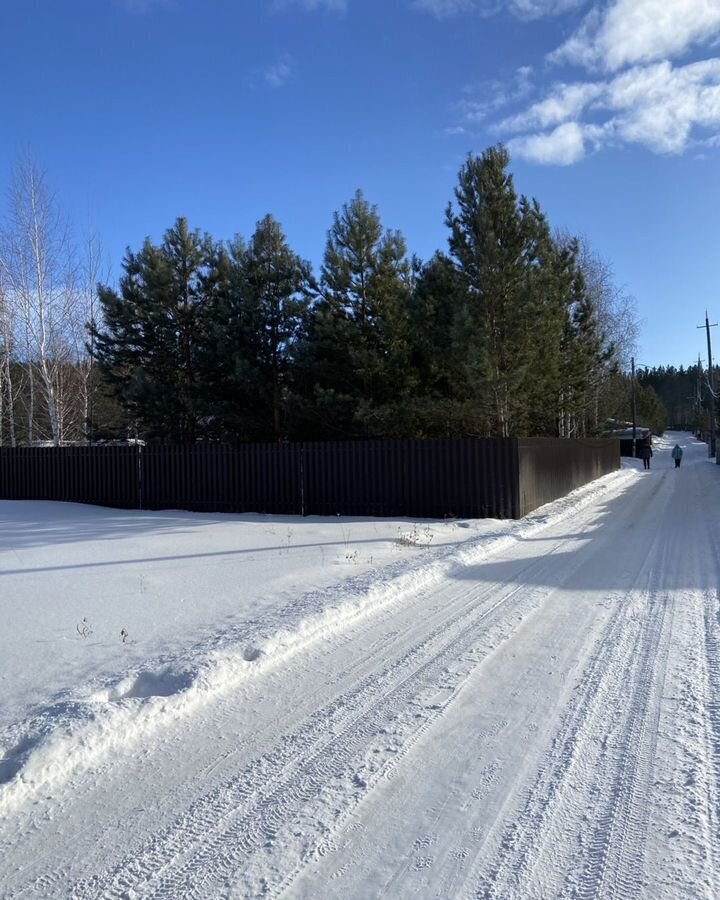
{"x":82,"y":316}
{"x":7,"y":395}
{"x":38,"y":269}
{"x":615,"y":308}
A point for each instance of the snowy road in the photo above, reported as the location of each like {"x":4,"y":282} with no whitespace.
{"x":541,"y":722}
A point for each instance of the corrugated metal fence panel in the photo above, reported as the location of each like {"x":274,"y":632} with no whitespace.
{"x":260,"y":478}
{"x":552,"y":467}
{"x":107,"y":476}
{"x":470,"y":478}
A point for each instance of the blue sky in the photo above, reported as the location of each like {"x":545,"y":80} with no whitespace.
{"x":224,"y":110}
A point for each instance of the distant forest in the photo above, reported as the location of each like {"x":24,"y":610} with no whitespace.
{"x":683,"y":394}
{"x":515,"y":329}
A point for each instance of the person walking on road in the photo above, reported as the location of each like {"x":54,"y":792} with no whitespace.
{"x":677,"y":455}
{"x":645,"y":452}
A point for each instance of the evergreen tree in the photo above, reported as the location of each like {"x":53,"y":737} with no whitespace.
{"x":147,"y":348}
{"x":683,"y":392}
{"x":651,"y":411}
{"x":501,"y":337}
{"x":278,"y":284}
{"x":543,"y":298}
{"x":533,"y":349}
{"x":487,"y":243}
{"x":439,"y":331}
{"x":352,"y":369}
{"x":585,"y":355}
{"x":436,"y":300}
{"x":262,"y":303}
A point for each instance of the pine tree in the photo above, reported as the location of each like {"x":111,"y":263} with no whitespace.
{"x":263,"y":297}
{"x":439,"y":330}
{"x":584,"y":354}
{"x":147,"y":348}
{"x":542,"y":315}
{"x":279,"y":285}
{"x":487,"y":244}
{"x":352,"y":368}
{"x":651,"y":411}
{"x":228,"y":395}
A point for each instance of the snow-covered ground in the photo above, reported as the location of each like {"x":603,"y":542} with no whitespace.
{"x":357,"y":708}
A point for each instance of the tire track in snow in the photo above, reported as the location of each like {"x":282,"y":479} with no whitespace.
{"x":553,"y":804}
{"x":614,"y":868}
{"x":645,"y":790}
{"x":241,"y":820}
{"x":712,"y":665}
{"x":712,"y":706}
{"x":684,"y":820}
{"x":514,"y":858}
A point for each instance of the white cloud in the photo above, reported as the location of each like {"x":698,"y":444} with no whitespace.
{"x":656,"y":106}
{"x":524,"y":9}
{"x":627,"y":32}
{"x":143,"y":7}
{"x":312,"y":5}
{"x":712,"y":141}
{"x":445,"y":8}
{"x":487,"y":97}
{"x":561,"y":147}
{"x":278,"y":74}
{"x":639,"y":98}
{"x":535,"y":9}
{"x":564,"y":103}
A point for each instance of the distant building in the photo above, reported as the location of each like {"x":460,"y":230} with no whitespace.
{"x":623,"y":431}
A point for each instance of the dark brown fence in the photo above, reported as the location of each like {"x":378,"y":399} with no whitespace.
{"x":106,"y":476}
{"x":263,"y":478}
{"x":469,"y":478}
{"x":549,"y":468}
{"x":433,"y":479}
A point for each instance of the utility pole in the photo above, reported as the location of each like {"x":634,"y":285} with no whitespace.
{"x":707,"y":326}
{"x":698,"y":398}
{"x":634,"y":410}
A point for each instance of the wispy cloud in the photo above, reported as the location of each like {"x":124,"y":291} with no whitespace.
{"x":626,"y":32}
{"x":444,"y":8}
{"x":339,"y":6}
{"x":481,"y":100}
{"x":536,"y":9}
{"x":564,"y":103}
{"x":523,"y":9}
{"x":143,"y":7}
{"x":658,"y":106}
{"x":279,"y":73}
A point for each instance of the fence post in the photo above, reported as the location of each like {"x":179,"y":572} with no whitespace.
{"x":302,"y":480}
{"x":140,"y":475}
